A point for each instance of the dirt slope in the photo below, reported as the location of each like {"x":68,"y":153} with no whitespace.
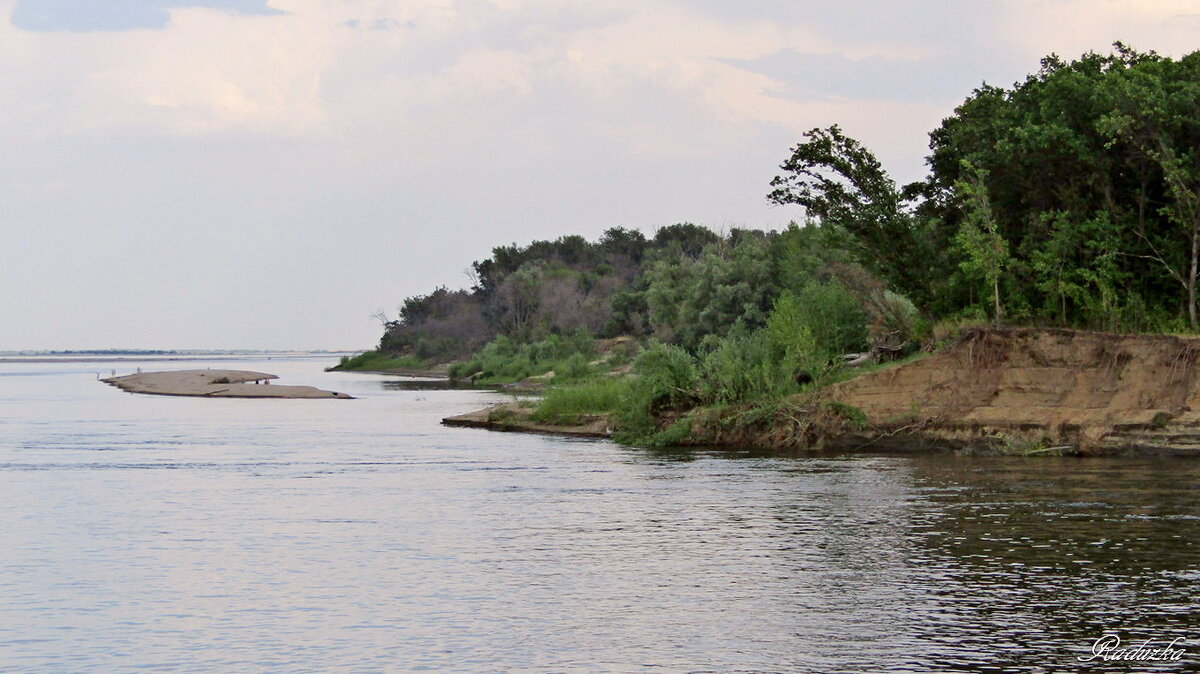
{"x":1093,"y":391}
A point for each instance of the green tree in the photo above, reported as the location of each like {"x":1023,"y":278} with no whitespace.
{"x":839,"y":181}
{"x":1093,"y":158}
{"x":984,"y":248}
{"x":1158,"y":114}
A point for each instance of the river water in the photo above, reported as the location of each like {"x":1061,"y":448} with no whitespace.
{"x":182,"y":534}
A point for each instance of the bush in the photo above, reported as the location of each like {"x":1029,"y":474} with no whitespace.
{"x":744,"y":367}
{"x":895,"y":322}
{"x":574,"y":368}
{"x":665,"y":379}
{"x":792,"y":338}
{"x":835,"y":317}
{"x":504,"y":360}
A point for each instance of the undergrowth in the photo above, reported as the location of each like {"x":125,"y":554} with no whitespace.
{"x":376,"y":360}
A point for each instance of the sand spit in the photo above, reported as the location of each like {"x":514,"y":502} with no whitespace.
{"x":215,"y":384}
{"x":513,"y":417}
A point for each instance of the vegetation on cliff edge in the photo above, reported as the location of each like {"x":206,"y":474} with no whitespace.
{"x":1071,"y":198}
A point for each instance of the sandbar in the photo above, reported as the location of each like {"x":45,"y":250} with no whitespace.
{"x":215,"y":384}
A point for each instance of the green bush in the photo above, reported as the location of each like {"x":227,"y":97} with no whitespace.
{"x":744,"y":367}
{"x":504,"y":360}
{"x":665,"y":379}
{"x":574,"y":368}
{"x":794,"y":341}
{"x":836,"y":318}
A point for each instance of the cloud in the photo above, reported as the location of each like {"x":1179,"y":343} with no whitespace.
{"x":206,"y":71}
{"x":88,"y":15}
{"x":334,"y":156}
{"x":1072,"y":27}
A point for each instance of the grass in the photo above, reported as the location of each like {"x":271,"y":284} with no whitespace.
{"x":568,"y":405}
{"x":376,"y":360}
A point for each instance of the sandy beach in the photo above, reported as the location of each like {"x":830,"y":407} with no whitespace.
{"x":215,"y":384}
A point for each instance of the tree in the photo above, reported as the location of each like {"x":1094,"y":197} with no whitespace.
{"x":840,"y":182}
{"x":1094,"y":159}
{"x":1158,"y":114}
{"x":979,"y":237}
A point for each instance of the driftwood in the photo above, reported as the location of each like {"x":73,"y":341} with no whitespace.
{"x":857,"y":359}
{"x":877,"y":354}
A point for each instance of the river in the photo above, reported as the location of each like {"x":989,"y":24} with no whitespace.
{"x":182,"y":534}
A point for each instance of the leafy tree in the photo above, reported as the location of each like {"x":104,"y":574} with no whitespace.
{"x":685,"y":238}
{"x":727,"y":285}
{"x":1158,"y":114}
{"x":840,"y":182}
{"x":1094,"y":159}
{"x":979,"y":238}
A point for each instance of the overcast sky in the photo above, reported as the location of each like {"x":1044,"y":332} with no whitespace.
{"x":268,"y":173}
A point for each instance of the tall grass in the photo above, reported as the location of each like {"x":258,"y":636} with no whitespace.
{"x":569,"y":404}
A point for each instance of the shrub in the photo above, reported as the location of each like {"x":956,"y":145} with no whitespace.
{"x":792,"y":338}
{"x":835,"y":317}
{"x":505,"y":360}
{"x":665,"y":379}
{"x":744,"y":367}
{"x":573,"y":368}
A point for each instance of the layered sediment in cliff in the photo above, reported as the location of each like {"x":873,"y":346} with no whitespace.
{"x":1077,"y":391}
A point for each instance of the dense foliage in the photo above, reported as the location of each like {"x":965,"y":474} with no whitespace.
{"x":1089,"y":175}
{"x":684,"y":285}
{"x":1071,"y":198}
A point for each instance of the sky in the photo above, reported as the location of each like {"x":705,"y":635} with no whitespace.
{"x":270,"y":173}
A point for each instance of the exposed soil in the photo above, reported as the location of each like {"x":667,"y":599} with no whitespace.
{"x":1084,"y":392}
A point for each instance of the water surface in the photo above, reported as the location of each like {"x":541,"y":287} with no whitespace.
{"x":229,"y":535}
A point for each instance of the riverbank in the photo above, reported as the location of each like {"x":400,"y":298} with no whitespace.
{"x":215,"y":384}
{"x":1002,"y":391}
{"x":515,"y":417}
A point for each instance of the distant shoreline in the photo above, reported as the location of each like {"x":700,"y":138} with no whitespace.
{"x":80,"y":358}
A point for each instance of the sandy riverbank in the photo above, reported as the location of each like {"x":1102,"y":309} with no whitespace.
{"x":215,"y":384}
{"x":1015,"y":391}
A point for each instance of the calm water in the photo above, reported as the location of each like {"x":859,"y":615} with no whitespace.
{"x":141,"y":532}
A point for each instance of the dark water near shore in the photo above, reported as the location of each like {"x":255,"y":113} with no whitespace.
{"x":233,"y":535}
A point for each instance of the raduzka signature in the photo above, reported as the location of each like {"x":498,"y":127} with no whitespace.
{"x":1108,"y":647}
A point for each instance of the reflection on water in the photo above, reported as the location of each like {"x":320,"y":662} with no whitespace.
{"x":423,"y":384}
{"x":206,"y":535}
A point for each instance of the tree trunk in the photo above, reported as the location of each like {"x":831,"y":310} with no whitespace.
{"x":1191,"y":284}
{"x":999,"y":311}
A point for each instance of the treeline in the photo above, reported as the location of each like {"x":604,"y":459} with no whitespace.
{"x":1071,"y":198}
{"x":686,"y":285}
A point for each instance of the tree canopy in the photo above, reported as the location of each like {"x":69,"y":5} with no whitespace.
{"x":1069,"y":198}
